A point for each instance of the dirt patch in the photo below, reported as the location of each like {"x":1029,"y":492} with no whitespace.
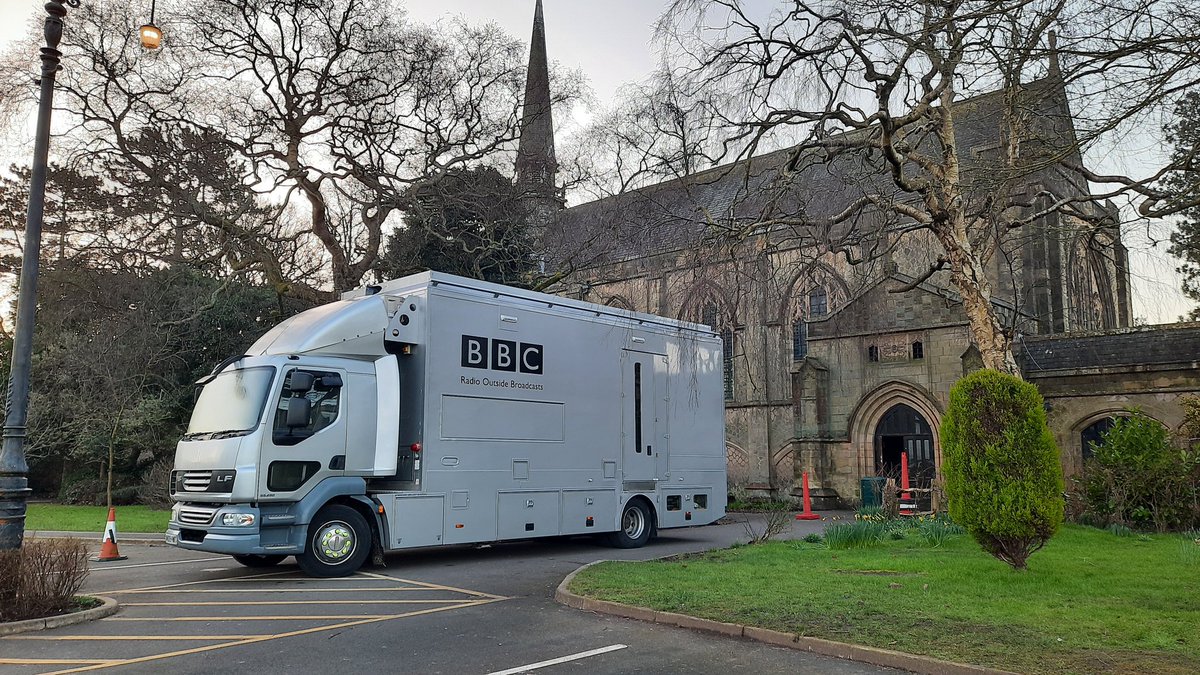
{"x":880,"y":573}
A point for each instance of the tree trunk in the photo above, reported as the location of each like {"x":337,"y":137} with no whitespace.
{"x":112,"y":452}
{"x":968,"y":276}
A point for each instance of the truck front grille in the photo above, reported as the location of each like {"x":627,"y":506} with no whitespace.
{"x":194,"y":514}
{"x":220,"y":480}
{"x":196,"y":481}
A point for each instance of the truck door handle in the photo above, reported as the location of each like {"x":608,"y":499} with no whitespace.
{"x":648,"y":451}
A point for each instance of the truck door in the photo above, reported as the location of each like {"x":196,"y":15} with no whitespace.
{"x":296,"y":457}
{"x":644,"y":394}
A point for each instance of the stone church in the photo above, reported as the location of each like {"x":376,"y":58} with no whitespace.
{"x":836,"y":361}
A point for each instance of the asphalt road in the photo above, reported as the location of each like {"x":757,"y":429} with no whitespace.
{"x":456,"y":610}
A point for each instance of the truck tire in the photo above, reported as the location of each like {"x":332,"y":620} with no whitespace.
{"x":339,"y":541}
{"x":252,"y":560}
{"x":636,"y":525}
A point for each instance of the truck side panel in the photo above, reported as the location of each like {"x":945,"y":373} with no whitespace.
{"x":525,"y":418}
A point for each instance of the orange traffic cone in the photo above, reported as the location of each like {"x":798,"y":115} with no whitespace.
{"x":908,"y":505}
{"x":808,"y":512}
{"x":108,"y":550}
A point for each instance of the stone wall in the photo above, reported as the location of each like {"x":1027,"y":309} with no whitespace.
{"x":1090,"y":377}
{"x":819,"y":414}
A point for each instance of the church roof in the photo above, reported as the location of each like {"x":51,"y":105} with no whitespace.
{"x":679,"y":213}
{"x":1142,"y":346}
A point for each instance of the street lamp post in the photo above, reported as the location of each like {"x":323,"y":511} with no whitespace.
{"x":14,"y":484}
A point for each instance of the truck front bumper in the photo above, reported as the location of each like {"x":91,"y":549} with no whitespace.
{"x":260,"y":538}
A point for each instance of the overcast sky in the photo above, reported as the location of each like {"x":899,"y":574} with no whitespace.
{"x":610,"y":42}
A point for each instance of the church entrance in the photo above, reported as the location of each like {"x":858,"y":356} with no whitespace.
{"x":904,"y":430}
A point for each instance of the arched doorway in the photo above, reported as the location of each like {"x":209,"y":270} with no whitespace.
{"x":903,"y":430}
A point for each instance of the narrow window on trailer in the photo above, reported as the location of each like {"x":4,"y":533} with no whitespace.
{"x":637,"y":407}
{"x":727,"y":362}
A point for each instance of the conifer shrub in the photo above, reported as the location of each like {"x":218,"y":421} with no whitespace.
{"x":1004,"y":482}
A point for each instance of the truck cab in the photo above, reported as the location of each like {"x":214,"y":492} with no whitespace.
{"x":280,"y":433}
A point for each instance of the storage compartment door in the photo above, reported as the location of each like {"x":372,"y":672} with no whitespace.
{"x":415,"y":521}
{"x":587,"y":511}
{"x":529,"y":514}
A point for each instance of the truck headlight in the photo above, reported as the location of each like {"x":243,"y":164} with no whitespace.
{"x":237,"y":519}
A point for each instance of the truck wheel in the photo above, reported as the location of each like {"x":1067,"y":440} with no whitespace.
{"x":339,"y":541}
{"x":251,"y":560}
{"x":636,"y":525}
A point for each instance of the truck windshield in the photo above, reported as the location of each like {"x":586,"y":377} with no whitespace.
{"x":231,"y":404}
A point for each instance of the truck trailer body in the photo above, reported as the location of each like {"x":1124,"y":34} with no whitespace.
{"x":436,"y":410}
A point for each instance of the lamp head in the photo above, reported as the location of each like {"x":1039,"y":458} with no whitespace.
{"x":151,"y":36}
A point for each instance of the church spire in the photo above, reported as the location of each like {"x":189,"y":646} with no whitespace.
{"x":1055,"y":69}
{"x":536,"y":165}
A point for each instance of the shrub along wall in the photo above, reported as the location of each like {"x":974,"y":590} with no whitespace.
{"x":1141,"y":477}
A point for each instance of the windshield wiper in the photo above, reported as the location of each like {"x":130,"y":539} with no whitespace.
{"x":213,"y":435}
{"x":220,"y":366}
{"x":228,"y":433}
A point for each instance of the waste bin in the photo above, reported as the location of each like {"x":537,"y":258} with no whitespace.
{"x":872,"y":491}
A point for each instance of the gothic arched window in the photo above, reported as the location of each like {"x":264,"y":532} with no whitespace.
{"x":799,"y":340}
{"x":710,"y":314}
{"x":1093,"y":435}
{"x":818,"y":302}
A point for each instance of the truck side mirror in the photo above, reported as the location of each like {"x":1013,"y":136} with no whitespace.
{"x":299,"y":412}
{"x":300,"y":383}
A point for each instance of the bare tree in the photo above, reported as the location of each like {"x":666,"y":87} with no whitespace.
{"x":657,"y":130}
{"x":332,"y":113}
{"x":880,"y":95}
{"x":471,"y":224}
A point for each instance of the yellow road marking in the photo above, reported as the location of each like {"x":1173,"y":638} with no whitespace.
{"x":306,"y":631}
{"x":156,"y":564}
{"x":193,"y":583}
{"x":430,"y":586}
{"x":376,"y":589}
{"x":208,"y":638}
{"x":297,"y":577}
{"x":221,"y":603}
{"x":301,"y":617}
{"x":474,"y":598}
{"x":42,"y":662}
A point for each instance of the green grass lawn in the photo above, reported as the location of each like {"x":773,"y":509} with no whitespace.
{"x":1090,"y":601}
{"x":93,"y":518}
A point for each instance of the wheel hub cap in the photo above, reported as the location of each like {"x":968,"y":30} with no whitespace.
{"x":336,"y":541}
{"x":633,"y":523}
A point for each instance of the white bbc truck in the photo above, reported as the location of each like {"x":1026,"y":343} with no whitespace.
{"x":436,"y":410}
